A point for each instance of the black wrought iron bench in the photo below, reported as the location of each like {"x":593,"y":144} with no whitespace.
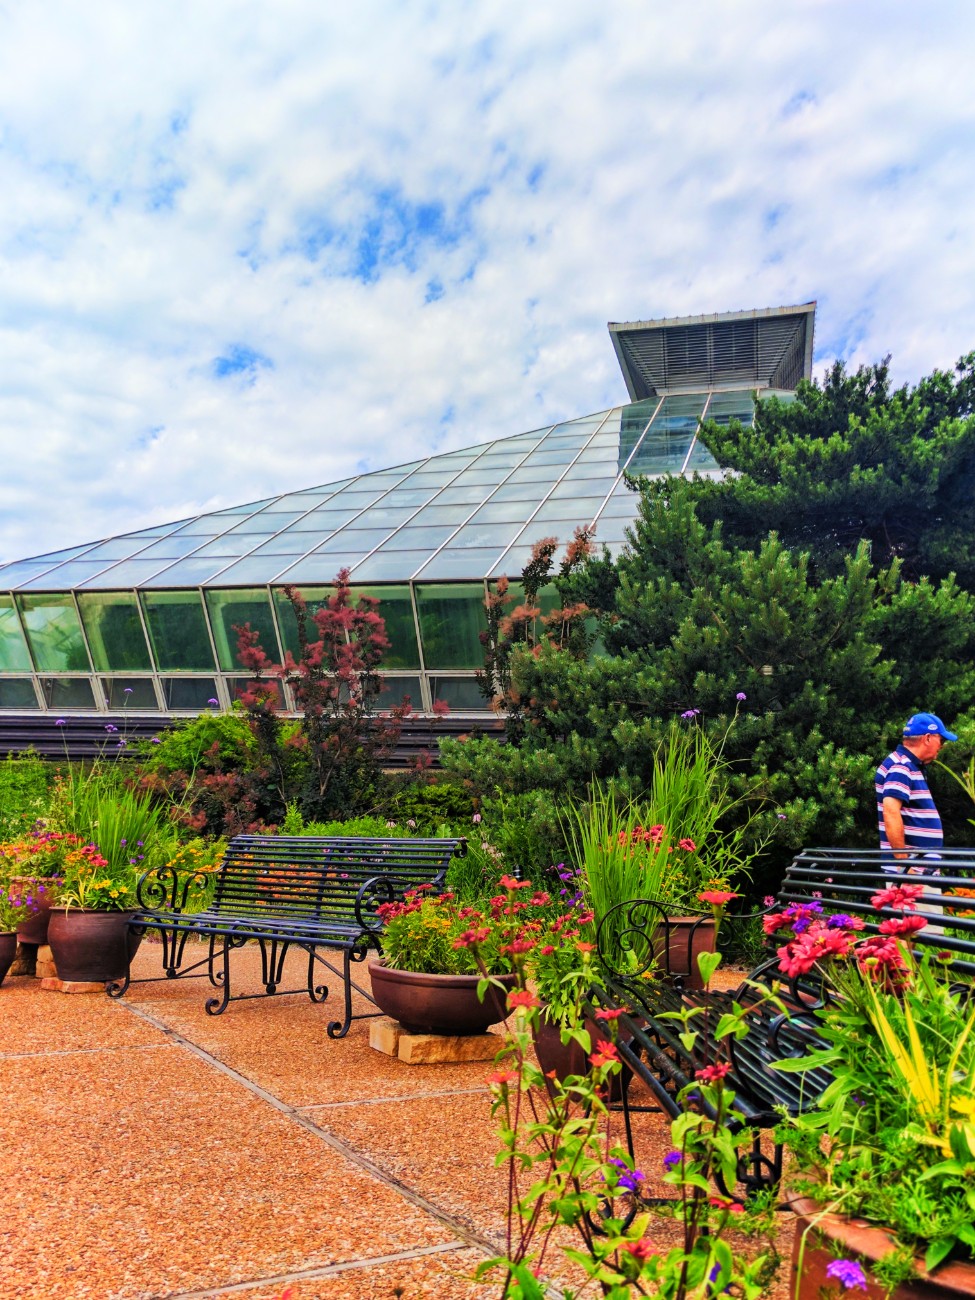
{"x":633,"y":942}
{"x":284,"y":892}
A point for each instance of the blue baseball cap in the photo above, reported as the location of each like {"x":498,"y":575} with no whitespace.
{"x":927,"y":724}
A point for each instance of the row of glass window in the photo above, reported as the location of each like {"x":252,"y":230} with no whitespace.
{"x":430,"y":626}
{"x":191,"y":693}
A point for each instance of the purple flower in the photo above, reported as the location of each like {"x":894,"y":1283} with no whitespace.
{"x":672,"y":1159}
{"x":741,"y":696}
{"x":840,"y":921}
{"x":60,"y":723}
{"x":628,"y":1179}
{"x":109,"y":727}
{"x":212,"y":701}
{"x":848,"y":1273}
{"x":476,"y":819}
{"x":690,"y":713}
{"x":122,"y":743}
{"x":123,"y":841}
{"x":127,"y":691}
{"x":782,"y":817}
{"x":154,"y":740}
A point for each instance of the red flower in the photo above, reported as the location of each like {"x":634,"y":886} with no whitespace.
{"x":522,"y":998}
{"x":471,"y":937}
{"x":641,"y":1250}
{"x":604,"y":1054}
{"x":502,"y":1076}
{"x":687,"y":845}
{"x":903,"y":925}
{"x":509,"y":882}
{"x":585,"y":947}
{"x":717,"y":897}
{"x":605,"y":1013}
{"x":712,"y":1073}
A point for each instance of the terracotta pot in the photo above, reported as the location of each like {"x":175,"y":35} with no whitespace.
{"x":8,"y":947}
{"x":34,"y":928}
{"x":91,"y":946}
{"x":686,"y":937}
{"x":437,"y":1004}
{"x":831,"y":1236}
{"x":568,"y":1058}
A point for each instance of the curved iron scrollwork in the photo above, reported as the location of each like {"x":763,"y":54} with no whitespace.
{"x":631,"y":936}
{"x":166,"y":889}
{"x":375,"y":891}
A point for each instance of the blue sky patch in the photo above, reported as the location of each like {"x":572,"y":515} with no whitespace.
{"x":241,"y":360}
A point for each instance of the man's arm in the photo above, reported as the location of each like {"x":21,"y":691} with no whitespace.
{"x":894,"y":824}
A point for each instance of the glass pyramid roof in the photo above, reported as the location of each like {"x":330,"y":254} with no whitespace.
{"x":469,"y":514}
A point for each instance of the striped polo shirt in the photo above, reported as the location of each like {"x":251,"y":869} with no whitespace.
{"x":901,"y":776}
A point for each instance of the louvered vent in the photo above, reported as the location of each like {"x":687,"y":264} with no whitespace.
{"x":761,"y":349}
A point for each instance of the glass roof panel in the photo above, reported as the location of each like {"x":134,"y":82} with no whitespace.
{"x":320,"y":569}
{"x":546,"y":457}
{"x":170,"y":548}
{"x":289,"y":543}
{"x":246,"y":507}
{"x":22,"y":571}
{"x":457,"y":494}
{"x":389,"y":564}
{"x":118,"y":548}
{"x":192,"y":572}
{"x":361,"y":496}
{"x":128,"y":573}
{"x":65,"y":576}
{"x":520,"y":491}
{"x":357,"y":541}
{"x":250,"y":570}
{"x":210,"y":525}
{"x":622,"y":504}
{"x":407,"y":496}
{"x":473,"y":563}
{"x":725,"y":407}
{"x":481,"y":477}
{"x":322,"y":521}
{"x":415,"y":539}
{"x":580,"y":510}
{"x":532,"y":474}
{"x":299,"y":501}
{"x":661,"y":453}
{"x":432,"y":478}
{"x":501,"y":512}
{"x":486,"y":535}
{"x":566,"y":443}
{"x":435,"y":513}
{"x":232,"y":548}
{"x":268,"y":521}
{"x":569,"y":489}
{"x":701,"y":461}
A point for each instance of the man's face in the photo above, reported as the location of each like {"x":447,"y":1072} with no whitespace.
{"x":929,"y":747}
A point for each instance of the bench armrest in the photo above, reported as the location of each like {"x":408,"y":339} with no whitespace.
{"x":164,"y":889}
{"x":387,"y":887}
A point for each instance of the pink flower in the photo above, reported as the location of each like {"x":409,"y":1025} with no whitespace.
{"x":712,"y":1073}
{"x":605,"y":1013}
{"x":903,"y":925}
{"x":898,"y":896}
{"x":687,"y":845}
{"x":641,"y":1250}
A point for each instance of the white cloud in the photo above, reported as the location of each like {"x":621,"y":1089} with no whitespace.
{"x":421,"y":217}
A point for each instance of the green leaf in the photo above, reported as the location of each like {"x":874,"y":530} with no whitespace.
{"x":937,"y":1251}
{"x":707,"y":964}
{"x":688,"y":1041}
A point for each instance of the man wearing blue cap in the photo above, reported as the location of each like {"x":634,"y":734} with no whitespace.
{"x":909,"y":824}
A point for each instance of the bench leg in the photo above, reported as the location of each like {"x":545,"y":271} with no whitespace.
{"x":220,"y":978}
{"x":339,"y":1028}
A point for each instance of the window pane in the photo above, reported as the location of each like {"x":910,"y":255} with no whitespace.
{"x":194,"y":693}
{"x":396,"y":609}
{"x":396,"y":689}
{"x":54,"y":633}
{"x":177,"y":630}
{"x":314,"y":598}
{"x":230,"y":609}
{"x":458,"y":692}
{"x":452,"y":617}
{"x":129,"y":693}
{"x":17,"y":693}
{"x":13,"y":648}
{"x":67,"y":693}
{"x":114,"y":630}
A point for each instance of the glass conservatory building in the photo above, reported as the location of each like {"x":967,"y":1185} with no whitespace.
{"x":145,"y":621}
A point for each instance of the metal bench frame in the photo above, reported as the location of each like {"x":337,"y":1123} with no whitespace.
{"x":283,"y":892}
{"x":841,"y":881}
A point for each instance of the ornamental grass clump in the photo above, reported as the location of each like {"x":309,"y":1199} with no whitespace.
{"x":892,"y":1138}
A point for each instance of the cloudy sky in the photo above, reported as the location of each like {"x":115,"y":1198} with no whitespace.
{"x":250,"y":247}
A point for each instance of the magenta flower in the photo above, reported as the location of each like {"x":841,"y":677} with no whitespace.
{"x":741,"y":696}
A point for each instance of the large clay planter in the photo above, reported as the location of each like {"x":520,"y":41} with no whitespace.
{"x":8,"y":947}
{"x":830,"y":1236}
{"x":34,"y":928}
{"x":563,"y":1059}
{"x":91,"y":947}
{"x":437,"y":1004}
{"x":687,"y":936}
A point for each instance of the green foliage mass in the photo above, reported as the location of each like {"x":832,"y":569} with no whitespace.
{"x":822,"y":636}
{"x":25,"y":784}
{"x":849,"y":460}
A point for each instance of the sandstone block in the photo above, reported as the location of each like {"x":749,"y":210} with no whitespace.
{"x":54,"y":985}
{"x":384,"y":1035}
{"x":441,"y":1049}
